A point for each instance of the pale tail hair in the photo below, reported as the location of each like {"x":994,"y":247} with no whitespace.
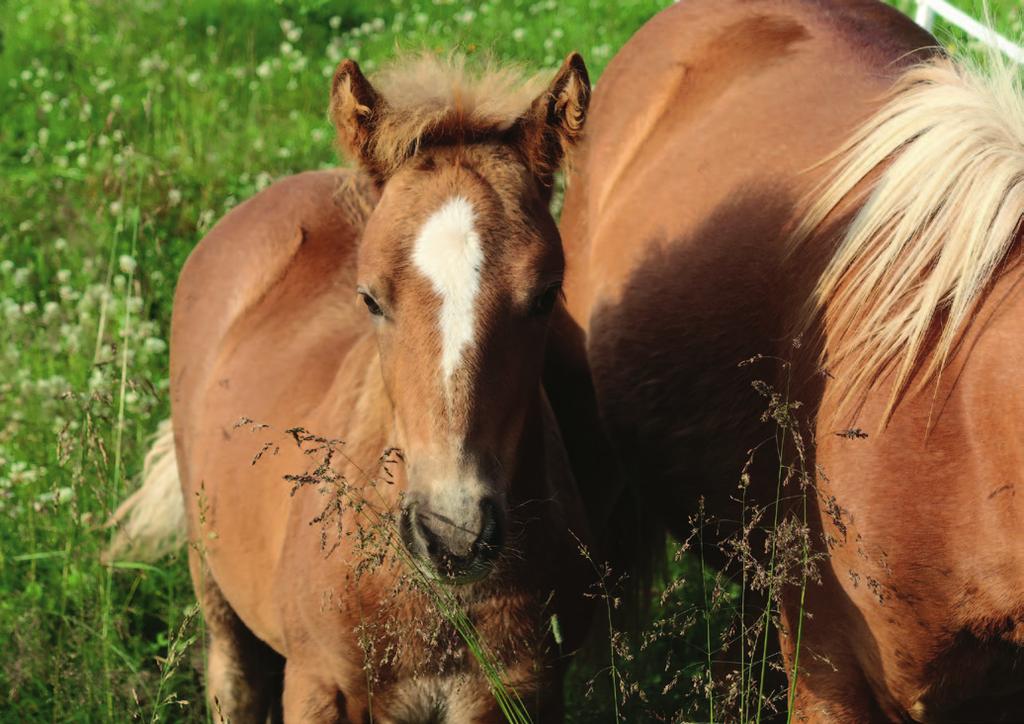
{"x":938,"y":221}
{"x":151,"y":522}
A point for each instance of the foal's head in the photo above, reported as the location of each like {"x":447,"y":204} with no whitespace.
{"x":460,"y":267}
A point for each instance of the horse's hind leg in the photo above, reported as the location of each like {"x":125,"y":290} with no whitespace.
{"x":244,"y":676}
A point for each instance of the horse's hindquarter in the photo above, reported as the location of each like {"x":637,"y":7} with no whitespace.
{"x":263,"y":322}
{"x":703,"y":138}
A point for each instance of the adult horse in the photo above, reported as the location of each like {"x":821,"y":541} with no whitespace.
{"x":295,"y":553}
{"x":755,"y":170}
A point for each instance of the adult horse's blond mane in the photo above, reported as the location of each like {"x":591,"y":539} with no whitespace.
{"x":937,"y":223}
{"x":426,"y":97}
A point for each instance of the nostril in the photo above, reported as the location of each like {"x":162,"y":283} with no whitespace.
{"x":489,"y":542}
{"x":406,"y":523}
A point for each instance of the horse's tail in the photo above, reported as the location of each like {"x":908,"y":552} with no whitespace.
{"x":942,"y":168}
{"x":151,"y":522}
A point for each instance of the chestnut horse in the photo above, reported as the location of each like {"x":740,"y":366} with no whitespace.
{"x":756,"y":170}
{"x":298,"y":551}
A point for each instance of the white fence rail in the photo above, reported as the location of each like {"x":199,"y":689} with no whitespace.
{"x":927,"y":10}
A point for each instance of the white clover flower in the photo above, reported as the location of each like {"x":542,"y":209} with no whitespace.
{"x":25,"y":225}
{"x":193,"y":78}
{"x":263,"y":70}
{"x":116,"y":208}
{"x":96,"y":379}
{"x":50,"y":310}
{"x":518,"y":34}
{"x":318,"y":135}
{"x":211,"y":31}
{"x":286,"y":48}
{"x":29,"y":308}
{"x":174,"y":197}
{"x":334,"y":22}
{"x":43,"y":136}
{"x":63,"y":276}
{"x":6,"y":266}
{"x":12,"y":310}
{"x":154,"y":345}
{"x":21,"y":276}
{"x":60,"y":244}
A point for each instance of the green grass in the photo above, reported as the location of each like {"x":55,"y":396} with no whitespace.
{"x":127,"y":130}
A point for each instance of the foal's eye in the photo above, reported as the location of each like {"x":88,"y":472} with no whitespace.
{"x":371,"y":304}
{"x":544,"y":302}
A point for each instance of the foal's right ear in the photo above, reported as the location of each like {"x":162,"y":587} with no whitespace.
{"x":356,"y":109}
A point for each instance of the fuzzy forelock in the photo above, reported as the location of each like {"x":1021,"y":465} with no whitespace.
{"x":431,"y":98}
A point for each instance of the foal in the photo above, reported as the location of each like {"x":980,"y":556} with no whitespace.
{"x":405,"y":310}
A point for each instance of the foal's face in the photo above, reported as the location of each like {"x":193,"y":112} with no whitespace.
{"x":460,"y":267}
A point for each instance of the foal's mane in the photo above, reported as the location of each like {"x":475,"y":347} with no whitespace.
{"x":432,"y":99}
{"x":936,"y":225}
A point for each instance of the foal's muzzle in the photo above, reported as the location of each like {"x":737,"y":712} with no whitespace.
{"x":458,"y":552}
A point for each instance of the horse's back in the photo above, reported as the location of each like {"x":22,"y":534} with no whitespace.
{"x":261,"y":332}
{"x":706,"y":133}
{"x":263,"y":266}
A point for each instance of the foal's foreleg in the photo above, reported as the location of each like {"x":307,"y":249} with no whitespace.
{"x":243,"y":675}
{"x":307,"y":698}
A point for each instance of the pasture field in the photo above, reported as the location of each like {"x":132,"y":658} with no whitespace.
{"x":127,"y":130}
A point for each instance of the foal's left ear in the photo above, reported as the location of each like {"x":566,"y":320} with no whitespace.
{"x":554,"y":123}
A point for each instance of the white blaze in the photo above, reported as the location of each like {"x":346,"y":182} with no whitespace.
{"x":448,"y":252}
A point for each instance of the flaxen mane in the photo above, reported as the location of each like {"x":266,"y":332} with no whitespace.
{"x":425,"y":98}
{"x":936,"y":225}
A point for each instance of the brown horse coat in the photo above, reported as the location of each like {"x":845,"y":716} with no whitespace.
{"x":301,"y":553}
{"x":705,"y":142}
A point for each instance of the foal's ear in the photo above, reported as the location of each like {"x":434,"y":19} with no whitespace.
{"x":554,"y":122}
{"x":356,"y":109}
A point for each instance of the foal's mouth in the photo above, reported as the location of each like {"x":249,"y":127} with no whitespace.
{"x":434,"y":556}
